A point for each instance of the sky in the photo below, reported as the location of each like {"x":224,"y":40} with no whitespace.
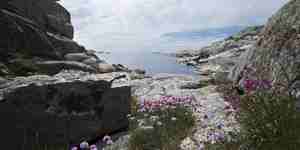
{"x":137,"y":25}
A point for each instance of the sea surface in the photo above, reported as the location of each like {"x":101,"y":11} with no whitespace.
{"x":153,"y":63}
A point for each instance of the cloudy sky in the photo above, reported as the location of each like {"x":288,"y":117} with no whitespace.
{"x":121,"y":25}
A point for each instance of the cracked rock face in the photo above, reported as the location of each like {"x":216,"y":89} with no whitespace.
{"x":276,"y":55}
{"x":70,"y":106}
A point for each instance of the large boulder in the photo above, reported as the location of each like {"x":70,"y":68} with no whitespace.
{"x":105,"y":68}
{"x":61,"y":109}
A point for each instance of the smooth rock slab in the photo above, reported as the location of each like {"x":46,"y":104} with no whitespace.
{"x":76,"y":56}
{"x":61,"y":109}
{"x":54,"y":67}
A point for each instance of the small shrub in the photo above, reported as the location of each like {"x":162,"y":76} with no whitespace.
{"x":269,"y":120}
{"x":134,"y":105}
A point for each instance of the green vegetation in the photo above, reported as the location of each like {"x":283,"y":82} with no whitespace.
{"x":267,"y":115}
{"x":159,"y":126}
{"x":269,"y":120}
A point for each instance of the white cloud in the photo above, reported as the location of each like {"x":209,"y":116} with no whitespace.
{"x":138,"y":24}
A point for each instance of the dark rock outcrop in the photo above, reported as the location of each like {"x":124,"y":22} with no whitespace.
{"x":48,"y":14}
{"x":70,"y":106}
{"x":36,"y":29}
{"x":22,"y":34}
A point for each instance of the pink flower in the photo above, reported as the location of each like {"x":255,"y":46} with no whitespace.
{"x":109,"y":142}
{"x":74,"y":148}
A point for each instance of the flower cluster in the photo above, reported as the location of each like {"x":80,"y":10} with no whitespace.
{"x":154,"y":121}
{"x":165,"y":102}
{"x":253,"y":85}
{"x":84,"y":146}
{"x":214,"y":137}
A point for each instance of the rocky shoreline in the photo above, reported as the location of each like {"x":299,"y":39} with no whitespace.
{"x":54,"y":91}
{"x":214,"y":115}
{"x":221,"y":57}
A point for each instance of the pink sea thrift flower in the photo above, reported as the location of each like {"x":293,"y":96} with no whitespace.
{"x":74,"y":148}
{"x":109,"y":142}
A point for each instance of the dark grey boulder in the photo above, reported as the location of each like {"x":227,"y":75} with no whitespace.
{"x":62,"y":109}
{"x":120,"y":68}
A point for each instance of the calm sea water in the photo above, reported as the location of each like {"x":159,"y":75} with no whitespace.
{"x":152,"y":63}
